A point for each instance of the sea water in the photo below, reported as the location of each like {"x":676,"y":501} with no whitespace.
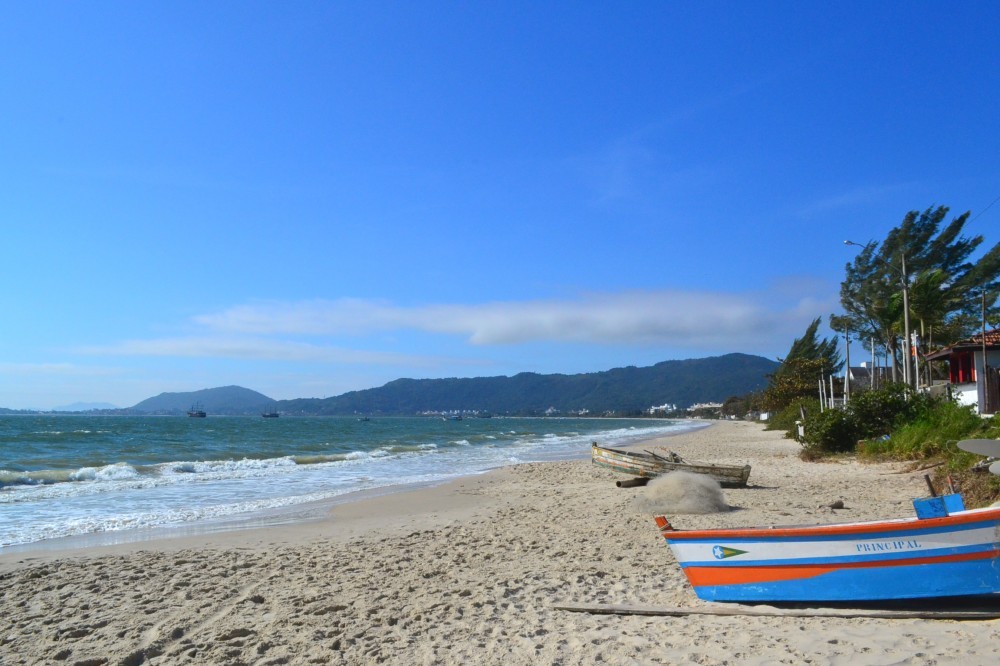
{"x":68,"y":475}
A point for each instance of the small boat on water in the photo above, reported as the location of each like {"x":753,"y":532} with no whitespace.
{"x":650,"y":464}
{"x":197,"y":412}
{"x":945,"y":551}
{"x":270,"y":415}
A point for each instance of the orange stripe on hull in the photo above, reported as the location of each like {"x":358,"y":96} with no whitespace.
{"x":736,"y":575}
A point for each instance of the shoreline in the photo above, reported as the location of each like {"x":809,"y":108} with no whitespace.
{"x":471,"y":571}
{"x":214,"y":530}
{"x":137,"y":497}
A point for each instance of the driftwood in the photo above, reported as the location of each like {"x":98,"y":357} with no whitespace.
{"x":737,"y":609}
{"x":930,"y":486}
{"x":914,"y":470}
{"x":632,"y":483}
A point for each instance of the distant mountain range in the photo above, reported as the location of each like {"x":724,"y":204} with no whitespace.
{"x":628,"y":390}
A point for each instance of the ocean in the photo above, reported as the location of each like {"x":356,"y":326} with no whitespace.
{"x":69,"y":475}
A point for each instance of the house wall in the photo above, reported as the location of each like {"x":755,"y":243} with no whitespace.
{"x":993,"y":360}
{"x":966,"y":394}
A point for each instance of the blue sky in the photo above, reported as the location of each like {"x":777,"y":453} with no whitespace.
{"x":307,"y":198}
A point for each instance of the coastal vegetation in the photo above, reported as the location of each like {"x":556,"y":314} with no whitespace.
{"x":920,"y":274}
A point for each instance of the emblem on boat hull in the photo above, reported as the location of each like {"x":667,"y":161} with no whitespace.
{"x":721,"y":552}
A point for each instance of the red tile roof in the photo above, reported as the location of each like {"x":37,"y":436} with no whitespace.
{"x":992,"y":337}
{"x":970,"y":344}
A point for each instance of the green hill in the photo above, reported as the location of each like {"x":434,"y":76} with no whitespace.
{"x":621,"y":390}
{"x":226,"y":400}
{"x":628,"y":390}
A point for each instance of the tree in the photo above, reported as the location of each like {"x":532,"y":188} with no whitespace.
{"x":736,"y":406}
{"x":945,"y":294}
{"x":808,"y":361}
{"x":811,"y":347}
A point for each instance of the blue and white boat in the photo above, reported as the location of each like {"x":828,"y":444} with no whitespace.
{"x":945,"y":551}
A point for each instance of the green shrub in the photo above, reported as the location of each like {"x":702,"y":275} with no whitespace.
{"x":931,"y":432}
{"x":831,"y":431}
{"x":787,"y":417}
{"x":877,"y":412}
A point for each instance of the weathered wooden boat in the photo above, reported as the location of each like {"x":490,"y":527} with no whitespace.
{"x":945,"y":551}
{"x":650,"y":464}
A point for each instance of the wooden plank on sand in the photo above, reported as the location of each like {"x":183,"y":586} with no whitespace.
{"x":736,"y":609}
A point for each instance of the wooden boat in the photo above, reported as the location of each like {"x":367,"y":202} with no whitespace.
{"x":270,"y":415}
{"x":650,"y":464}
{"x":196,"y":412}
{"x":945,"y":551}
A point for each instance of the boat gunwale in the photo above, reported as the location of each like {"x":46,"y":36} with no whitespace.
{"x":962,"y":520}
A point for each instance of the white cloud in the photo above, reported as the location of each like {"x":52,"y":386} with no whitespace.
{"x":676,"y":318}
{"x":319,"y":331}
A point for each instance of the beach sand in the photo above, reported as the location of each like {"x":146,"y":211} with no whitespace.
{"x":470,"y":572}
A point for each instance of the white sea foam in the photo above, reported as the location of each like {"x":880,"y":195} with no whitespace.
{"x":116,"y":472}
{"x":121,"y":496}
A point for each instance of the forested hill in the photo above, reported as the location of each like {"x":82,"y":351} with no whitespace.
{"x":227,"y":400}
{"x":630,"y":389}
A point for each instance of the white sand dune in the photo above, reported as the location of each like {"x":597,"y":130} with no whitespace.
{"x":469,"y":573}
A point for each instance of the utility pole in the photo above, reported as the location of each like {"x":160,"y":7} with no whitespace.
{"x":906,"y":326}
{"x":985,"y":406}
{"x":905,"y":283}
{"x":847,"y":366}
{"x":874,"y":367}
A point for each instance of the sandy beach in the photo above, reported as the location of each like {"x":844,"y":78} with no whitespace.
{"x":470,"y":572}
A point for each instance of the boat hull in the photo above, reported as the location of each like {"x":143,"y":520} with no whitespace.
{"x":647,"y":465}
{"x":955,"y":555}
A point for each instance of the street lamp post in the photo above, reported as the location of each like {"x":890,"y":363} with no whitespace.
{"x":907,"y":362}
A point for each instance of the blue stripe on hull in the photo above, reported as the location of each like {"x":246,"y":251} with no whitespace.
{"x":902,"y":582}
